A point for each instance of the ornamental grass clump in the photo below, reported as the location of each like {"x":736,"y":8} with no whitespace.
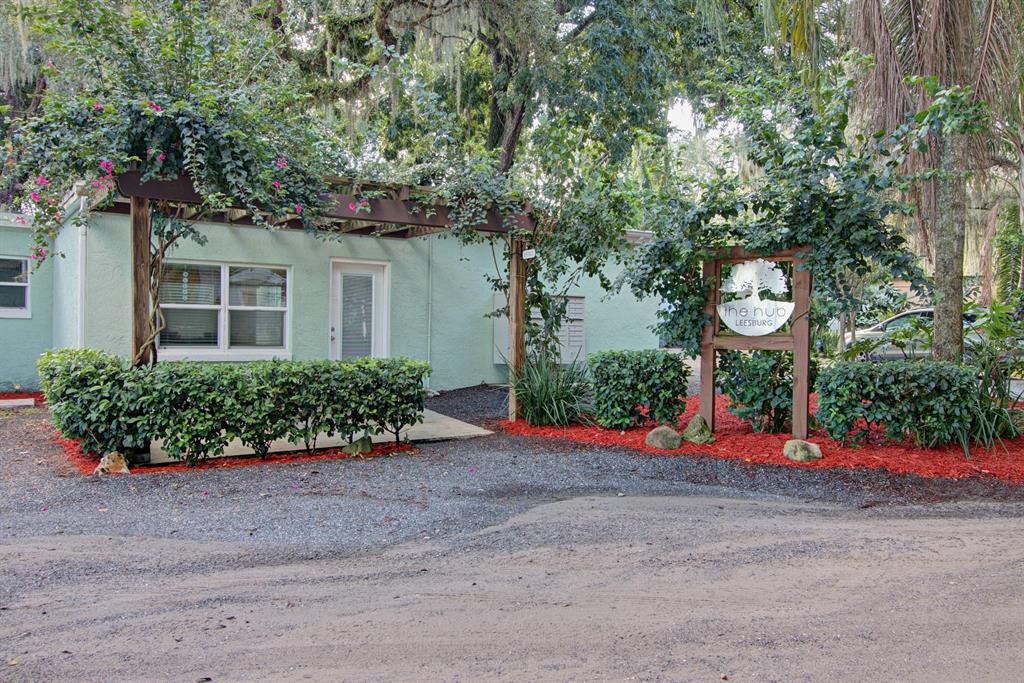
{"x":631,"y":387}
{"x":550,"y":392}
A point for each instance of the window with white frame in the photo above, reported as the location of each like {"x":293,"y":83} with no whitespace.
{"x":223,"y":307}
{"x":14,"y":287}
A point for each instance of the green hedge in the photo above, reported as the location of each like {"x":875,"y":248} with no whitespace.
{"x":759,"y":385}
{"x":197,"y":408}
{"x":625,"y":381}
{"x":927,"y":401}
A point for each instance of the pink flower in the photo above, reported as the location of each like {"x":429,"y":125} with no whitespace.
{"x":281,"y":163}
{"x":154,"y":106}
{"x":161,"y":156}
{"x":351,"y":206}
{"x":107,"y":165}
{"x":97,"y":183}
{"x":276,"y":184}
{"x":98,"y":106}
{"x":41,"y":181}
{"x":35,"y":196}
{"x":298,"y":208}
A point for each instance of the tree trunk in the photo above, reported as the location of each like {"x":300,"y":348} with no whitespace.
{"x":142,"y":232}
{"x":950,"y":217}
{"x":1020,"y":221}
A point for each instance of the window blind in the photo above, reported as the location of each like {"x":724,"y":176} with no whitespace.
{"x":356,"y":315}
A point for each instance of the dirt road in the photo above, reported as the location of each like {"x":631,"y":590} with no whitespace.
{"x":591,"y":588}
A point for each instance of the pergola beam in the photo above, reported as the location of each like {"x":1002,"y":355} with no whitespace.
{"x":396,"y":211}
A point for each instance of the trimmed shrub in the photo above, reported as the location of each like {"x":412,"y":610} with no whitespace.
{"x":626,"y":382}
{"x":929,"y":402}
{"x":759,"y":385}
{"x":95,"y":398}
{"x":197,"y":408}
{"x":549,"y":392}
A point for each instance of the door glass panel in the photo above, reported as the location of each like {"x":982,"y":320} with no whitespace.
{"x":356,"y":315}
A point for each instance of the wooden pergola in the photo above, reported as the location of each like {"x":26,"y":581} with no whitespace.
{"x":393,"y":215}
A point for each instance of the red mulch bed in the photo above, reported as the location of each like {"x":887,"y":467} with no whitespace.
{"x":87,"y":463}
{"x":736,"y":440}
{"x":37,"y":395}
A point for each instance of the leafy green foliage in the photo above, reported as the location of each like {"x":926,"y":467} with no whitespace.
{"x":879,"y":302}
{"x":196,"y":408}
{"x":759,"y":385}
{"x":631,"y":387}
{"x":1009,"y":248}
{"x":994,"y":353}
{"x":94,"y":397}
{"x":550,"y":393}
{"x":813,"y":186}
{"x":927,"y":401}
{"x":187,"y":87}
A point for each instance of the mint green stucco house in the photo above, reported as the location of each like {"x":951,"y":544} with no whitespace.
{"x":250,"y":294}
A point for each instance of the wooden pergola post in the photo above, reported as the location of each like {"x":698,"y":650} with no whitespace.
{"x":801,"y":348}
{"x":141,"y":219}
{"x":708,"y":353}
{"x":516,"y":320}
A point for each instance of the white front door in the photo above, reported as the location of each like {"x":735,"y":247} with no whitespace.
{"x":359,"y":309}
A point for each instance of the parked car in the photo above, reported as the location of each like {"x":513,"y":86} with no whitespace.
{"x":899,"y":327}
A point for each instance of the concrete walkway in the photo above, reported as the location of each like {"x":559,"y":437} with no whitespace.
{"x":435,"y":427}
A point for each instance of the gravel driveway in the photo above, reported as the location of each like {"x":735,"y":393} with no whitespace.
{"x":500,"y":558}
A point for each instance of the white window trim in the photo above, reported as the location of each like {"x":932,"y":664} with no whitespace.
{"x":222,"y":352}
{"x":26,"y":312}
{"x":381,"y":312}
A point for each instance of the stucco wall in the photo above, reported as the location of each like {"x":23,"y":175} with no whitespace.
{"x":67,"y":281}
{"x":23,"y":339}
{"x":438,"y":293}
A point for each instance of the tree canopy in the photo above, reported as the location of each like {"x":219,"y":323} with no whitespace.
{"x":562,"y":105}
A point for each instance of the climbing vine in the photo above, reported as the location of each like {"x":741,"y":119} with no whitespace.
{"x":157,"y":89}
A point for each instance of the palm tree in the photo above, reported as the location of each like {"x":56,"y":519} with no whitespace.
{"x":958,"y":43}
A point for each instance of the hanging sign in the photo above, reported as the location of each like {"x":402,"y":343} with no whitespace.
{"x":747,"y":313}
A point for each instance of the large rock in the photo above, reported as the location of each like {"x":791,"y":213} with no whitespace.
{"x":360,"y":446}
{"x":698,"y":431}
{"x":802,"y":451}
{"x":112,"y":463}
{"x":664,"y":437}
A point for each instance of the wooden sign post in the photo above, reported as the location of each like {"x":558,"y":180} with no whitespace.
{"x":797,"y":340}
